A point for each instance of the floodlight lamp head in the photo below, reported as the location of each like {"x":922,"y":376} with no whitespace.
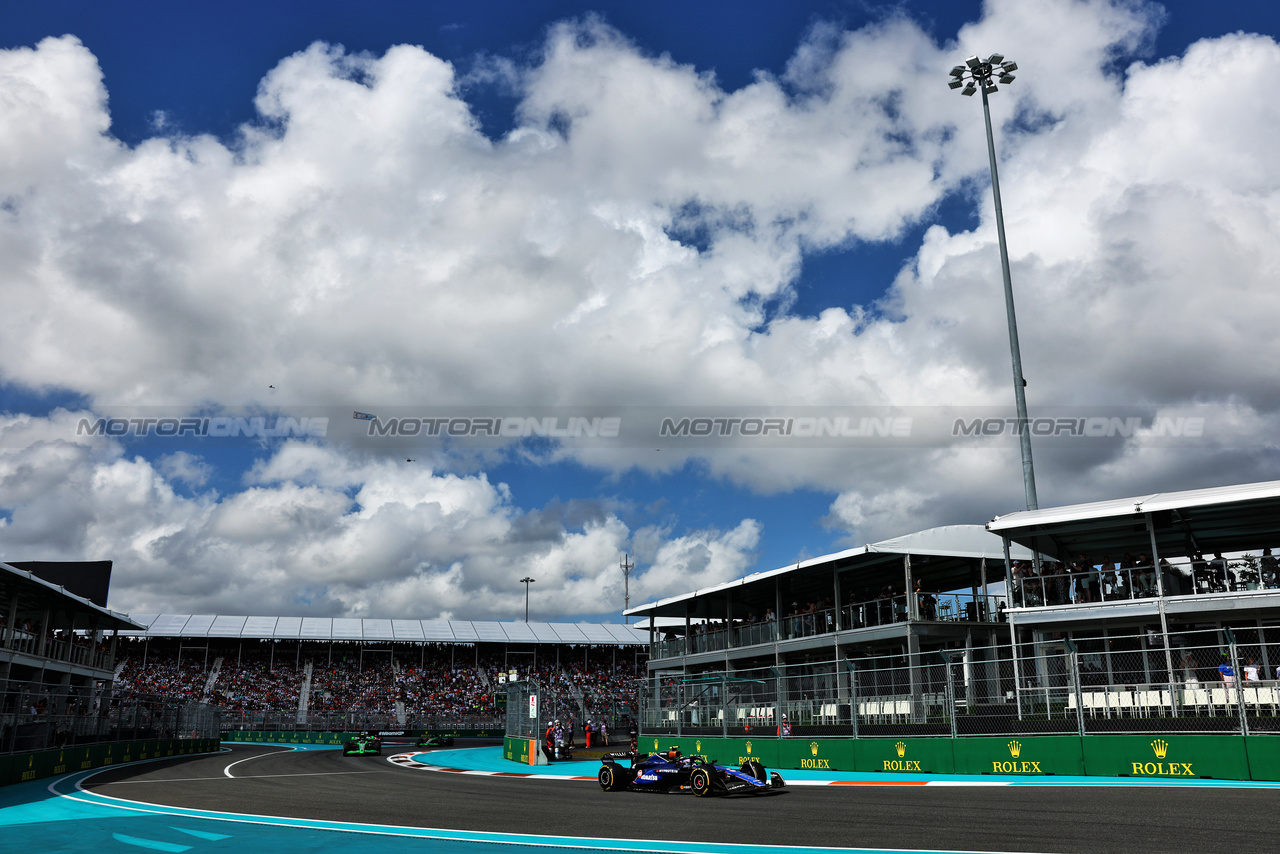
{"x":969,"y":90}
{"x":1009,"y":66}
{"x":958,"y":71}
{"x":955,"y":83}
{"x":973,"y":62}
{"x":989,"y":88}
{"x":995,"y":59}
{"x":1006,"y":79}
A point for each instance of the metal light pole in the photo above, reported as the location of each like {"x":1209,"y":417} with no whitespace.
{"x":526,"y":581}
{"x":626,"y":565}
{"x":977,"y":74}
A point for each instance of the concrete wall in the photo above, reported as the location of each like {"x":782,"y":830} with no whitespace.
{"x":21,"y":767}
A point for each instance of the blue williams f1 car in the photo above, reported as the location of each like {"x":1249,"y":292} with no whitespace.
{"x":670,"y":771}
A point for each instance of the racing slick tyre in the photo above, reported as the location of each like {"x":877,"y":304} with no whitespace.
{"x":755,"y":769}
{"x":612,"y":778}
{"x":700,"y":781}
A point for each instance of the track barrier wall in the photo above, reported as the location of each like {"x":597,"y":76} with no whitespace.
{"x":305,"y":737}
{"x":521,"y":750}
{"x":23,"y":767}
{"x":1169,"y":756}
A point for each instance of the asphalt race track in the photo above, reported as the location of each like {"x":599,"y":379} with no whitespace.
{"x":322,"y":784}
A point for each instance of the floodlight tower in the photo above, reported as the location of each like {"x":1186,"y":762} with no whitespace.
{"x":975,"y":75}
{"x":626,"y":566}
{"x":526,"y":581}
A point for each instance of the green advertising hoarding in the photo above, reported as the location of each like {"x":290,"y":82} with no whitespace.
{"x":1168,"y":756}
{"x":24,"y":767}
{"x":905,"y":755}
{"x":516,"y":749}
{"x":1227,"y":757}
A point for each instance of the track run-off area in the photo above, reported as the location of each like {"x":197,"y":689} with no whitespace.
{"x":272,"y":797}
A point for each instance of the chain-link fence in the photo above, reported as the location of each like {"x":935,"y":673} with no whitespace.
{"x":524,"y":713}
{"x":36,"y":716}
{"x":352,"y":721}
{"x":1214,"y":681}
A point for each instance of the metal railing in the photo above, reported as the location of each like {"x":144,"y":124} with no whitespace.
{"x":1205,"y":682}
{"x":37,"y":716}
{"x":1107,"y":582}
{"x":352,"y":721}
{"x":751,"y":634}
{"x":945,"y":607}
{"x":79,"y":650}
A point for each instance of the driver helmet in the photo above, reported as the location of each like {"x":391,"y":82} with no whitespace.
{"x":673,"y":753}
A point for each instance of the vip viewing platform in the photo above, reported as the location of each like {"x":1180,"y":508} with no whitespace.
{"x":1158,"y":613}
{"x":1181,"y":559}
{"x":931,"y":587}
{"x":57,"y":663}
{"x":46,"y":628}
{"x":1090,"y":683}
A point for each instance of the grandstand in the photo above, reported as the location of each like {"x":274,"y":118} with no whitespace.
{"x":333,"y":674}
{"x":57,"y":663}
{"x":1100,"y":618}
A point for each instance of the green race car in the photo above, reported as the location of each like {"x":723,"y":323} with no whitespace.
{"x":363,"y":745}
{"x":435,"y":741}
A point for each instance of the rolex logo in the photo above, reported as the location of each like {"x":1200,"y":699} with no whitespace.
{"x":813,"y":748}
{"x":655,"y":745}
{"x":697,"y":745}
{"x":1015,"y":749}
{"x":901,"y":748}
{"x":1161,"y":747}
{"x":748,"y":748}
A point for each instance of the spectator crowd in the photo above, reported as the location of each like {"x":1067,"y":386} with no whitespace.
{"x":411,"y":683}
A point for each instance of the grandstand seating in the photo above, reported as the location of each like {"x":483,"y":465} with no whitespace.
{"x":411,"y":686}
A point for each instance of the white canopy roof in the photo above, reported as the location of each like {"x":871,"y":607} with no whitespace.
{"x":972,"y":541}
{"x":1150,"y":503}
{"x":27,"y":585}
{"x":383,"y":630}
{"x":960,"y":542}
{"x":1220,"y":518}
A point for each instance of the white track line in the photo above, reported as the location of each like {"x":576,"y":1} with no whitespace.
{"x":227,"y":770}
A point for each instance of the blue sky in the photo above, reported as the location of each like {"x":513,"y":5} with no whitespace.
{"x":198,"y":224}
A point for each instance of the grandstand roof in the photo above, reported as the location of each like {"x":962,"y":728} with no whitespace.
{"x":1223,"y":518}
{"x":30,"y":590}
{"x":951,"y":549}
{"x":409,"y":631}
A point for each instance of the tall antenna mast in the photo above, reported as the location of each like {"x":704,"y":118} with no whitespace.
{"x":626,"y":566}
